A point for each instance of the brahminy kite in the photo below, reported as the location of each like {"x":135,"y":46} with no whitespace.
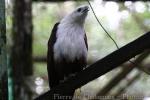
{"x":67,"y":47}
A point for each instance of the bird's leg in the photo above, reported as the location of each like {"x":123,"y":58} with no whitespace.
{"x":78,"y":91}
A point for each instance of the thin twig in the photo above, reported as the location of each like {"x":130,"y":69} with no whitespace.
{"x":102,"y":26}
{"x":106,"y":30}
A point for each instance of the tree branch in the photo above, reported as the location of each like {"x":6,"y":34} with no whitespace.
{"x":40,"y":59}
{"x":99,"y":68}
{"x":125,"y":71}
{"x":130,"y":82}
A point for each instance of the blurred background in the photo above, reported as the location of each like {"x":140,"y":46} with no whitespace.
{"x":29,"y":24}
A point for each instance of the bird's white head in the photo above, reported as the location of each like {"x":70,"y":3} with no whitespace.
{"x":77,"y":16}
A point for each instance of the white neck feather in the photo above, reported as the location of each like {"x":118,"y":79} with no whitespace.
{"x":70,"y":41}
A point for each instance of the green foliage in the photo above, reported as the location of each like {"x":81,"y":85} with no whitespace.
{"x":131,"y":29}
{"x":40,"y":69}
{"x":43,"y":23}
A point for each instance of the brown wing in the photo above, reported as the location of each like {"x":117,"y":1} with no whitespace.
{"x":85,"y":39}
{"x":53,"y":78}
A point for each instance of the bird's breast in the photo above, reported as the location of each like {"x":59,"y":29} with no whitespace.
{"x":70,"y":45}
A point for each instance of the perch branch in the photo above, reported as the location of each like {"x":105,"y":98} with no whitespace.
{"x":99,"y":68}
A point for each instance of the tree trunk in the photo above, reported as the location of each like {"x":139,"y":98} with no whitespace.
{"x":3,"y":59}
{"x":21,"y":55}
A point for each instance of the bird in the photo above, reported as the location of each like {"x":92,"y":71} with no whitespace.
{"x":67,"y":47}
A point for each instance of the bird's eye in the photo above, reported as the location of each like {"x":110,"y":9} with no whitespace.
{"x":79,"y":10}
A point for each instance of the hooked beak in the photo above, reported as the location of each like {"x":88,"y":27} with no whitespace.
{"x":86,"y":9}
